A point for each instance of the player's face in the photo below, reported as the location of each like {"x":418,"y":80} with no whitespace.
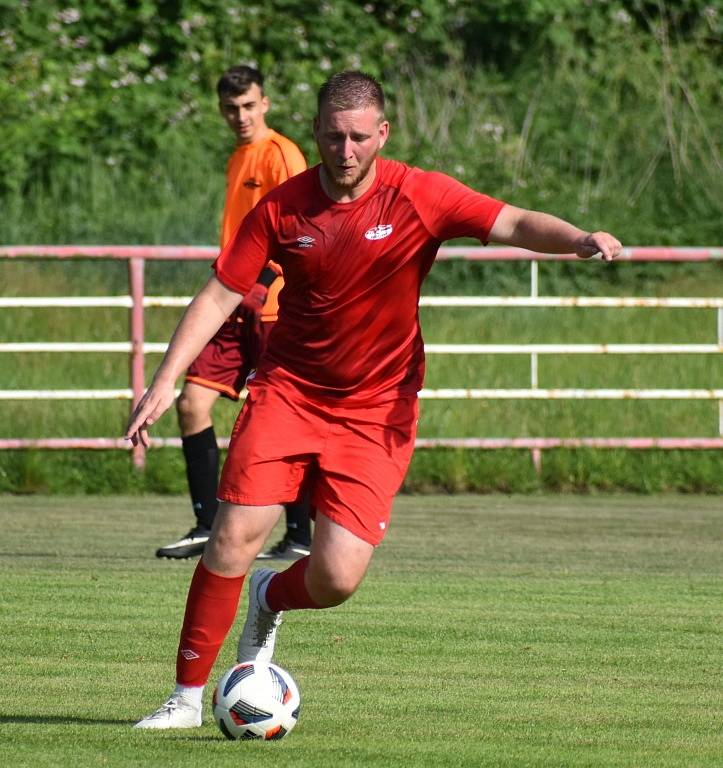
{"x":349,"y":141}
{"x":245,"y":114}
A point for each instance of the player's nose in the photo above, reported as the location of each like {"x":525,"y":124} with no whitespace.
{"x":345,"y":149}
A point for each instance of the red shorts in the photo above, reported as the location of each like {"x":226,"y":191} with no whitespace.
{"x":352,"y":459}
{"x":226,"y":361}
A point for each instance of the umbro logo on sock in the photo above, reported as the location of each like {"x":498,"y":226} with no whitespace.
{"x":189,"y":655}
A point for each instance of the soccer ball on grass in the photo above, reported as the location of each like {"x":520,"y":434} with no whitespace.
{"x":255,"y":700}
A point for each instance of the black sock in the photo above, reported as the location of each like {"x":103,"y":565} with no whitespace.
{"x":201,"y":454}
{"x":298,"y":525}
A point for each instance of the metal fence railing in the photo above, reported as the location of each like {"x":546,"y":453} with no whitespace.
{"x":137,"y":347}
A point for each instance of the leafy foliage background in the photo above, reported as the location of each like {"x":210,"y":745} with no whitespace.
{"x":608,"y":107}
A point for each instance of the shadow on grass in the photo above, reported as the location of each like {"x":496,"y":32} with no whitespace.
{"x":61,"y":720}
{"x":64,"y":720}
{"x":70,"y":556}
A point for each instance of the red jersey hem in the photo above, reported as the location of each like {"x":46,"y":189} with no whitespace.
{"x":276,"y":374}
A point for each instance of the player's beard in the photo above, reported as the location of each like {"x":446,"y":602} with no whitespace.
{"x":349,"y":181}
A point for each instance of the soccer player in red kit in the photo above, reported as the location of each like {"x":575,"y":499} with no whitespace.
{"x":355,"y":236}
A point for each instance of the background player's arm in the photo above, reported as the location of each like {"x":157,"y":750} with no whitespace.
{"x":547,"y":234}
{"x":202,"y":318}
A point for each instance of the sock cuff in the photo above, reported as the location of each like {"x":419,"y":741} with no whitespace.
{"x":215,"y":585}
{"x":192,"y":693}
{"x":200,"y":443}
{"x":287,"y":591}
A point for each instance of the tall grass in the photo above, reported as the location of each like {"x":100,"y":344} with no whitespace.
{"x":446,"y":469}
{"x":628,"y":141}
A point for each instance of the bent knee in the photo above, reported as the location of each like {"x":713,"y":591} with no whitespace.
{"x":186,"y":405}
{"x":228,"y":552}
{"x":329,"y":590}
{"x":193,"y":412}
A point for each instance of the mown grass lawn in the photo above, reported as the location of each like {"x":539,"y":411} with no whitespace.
{"x":491,"y":631}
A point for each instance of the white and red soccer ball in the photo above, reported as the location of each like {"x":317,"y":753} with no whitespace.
{"x":256,"y":700}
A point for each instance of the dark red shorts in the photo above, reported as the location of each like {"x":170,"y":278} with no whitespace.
{"x":226,"y":361}
{"x":351,"y":459}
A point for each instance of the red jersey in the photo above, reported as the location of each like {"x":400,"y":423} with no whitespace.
{"x":348,"y":323}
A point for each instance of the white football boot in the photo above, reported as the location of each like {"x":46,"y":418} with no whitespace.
{"x":178,"y":712}
{"x":258,"y":637}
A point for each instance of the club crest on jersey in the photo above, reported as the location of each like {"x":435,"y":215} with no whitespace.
{"x":305,"y":241}
{"x":379,"y":232}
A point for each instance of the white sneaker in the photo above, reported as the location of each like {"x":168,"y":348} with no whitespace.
{"x":258,"y":637}
{"x":177,"y":712}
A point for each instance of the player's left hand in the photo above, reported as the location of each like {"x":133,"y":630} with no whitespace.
{"x":598,"y":244}
{"x":252,"y":305}
{"x":154,"y":403}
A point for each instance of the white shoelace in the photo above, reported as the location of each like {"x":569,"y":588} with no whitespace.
{"x":171,"y":705}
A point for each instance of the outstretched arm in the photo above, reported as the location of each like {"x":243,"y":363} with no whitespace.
{"x":547,"y":234}
{"x":202,"y":318}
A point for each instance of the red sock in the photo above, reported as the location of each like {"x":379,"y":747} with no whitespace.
{"x":287,"y":590}
{"x":210,"y":611}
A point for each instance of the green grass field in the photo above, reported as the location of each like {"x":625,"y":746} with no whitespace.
{"x":491,"y":631}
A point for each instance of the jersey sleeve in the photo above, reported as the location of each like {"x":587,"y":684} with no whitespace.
{"x":288,"y":161}
{"x":247,"y":252}
{"x":450,"y":209}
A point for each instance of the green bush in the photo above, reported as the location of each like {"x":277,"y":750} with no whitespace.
{"x":125,"y":78}
{"x":578,"y":105}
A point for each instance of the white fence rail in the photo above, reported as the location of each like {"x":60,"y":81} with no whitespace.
{"x":136,"y":302}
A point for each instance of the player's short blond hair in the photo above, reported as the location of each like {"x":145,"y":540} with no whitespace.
{"x":351,"y":90}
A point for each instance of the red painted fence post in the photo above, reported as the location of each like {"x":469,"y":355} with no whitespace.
{"x":136,"y":268}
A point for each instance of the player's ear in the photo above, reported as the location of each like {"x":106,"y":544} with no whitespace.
{"x":265,"y":104}
{"x":383,"y":132}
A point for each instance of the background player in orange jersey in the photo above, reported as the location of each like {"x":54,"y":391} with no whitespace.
{"x":263,"y":159}
{"x":333,"y":405}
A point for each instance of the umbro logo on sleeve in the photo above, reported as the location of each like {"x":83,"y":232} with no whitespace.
{"x":305,"y":241}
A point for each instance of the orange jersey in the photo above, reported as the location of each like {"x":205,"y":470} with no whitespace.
{"x":252,"y":171}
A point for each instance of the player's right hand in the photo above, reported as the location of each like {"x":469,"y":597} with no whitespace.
{"x":156,"y":401}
